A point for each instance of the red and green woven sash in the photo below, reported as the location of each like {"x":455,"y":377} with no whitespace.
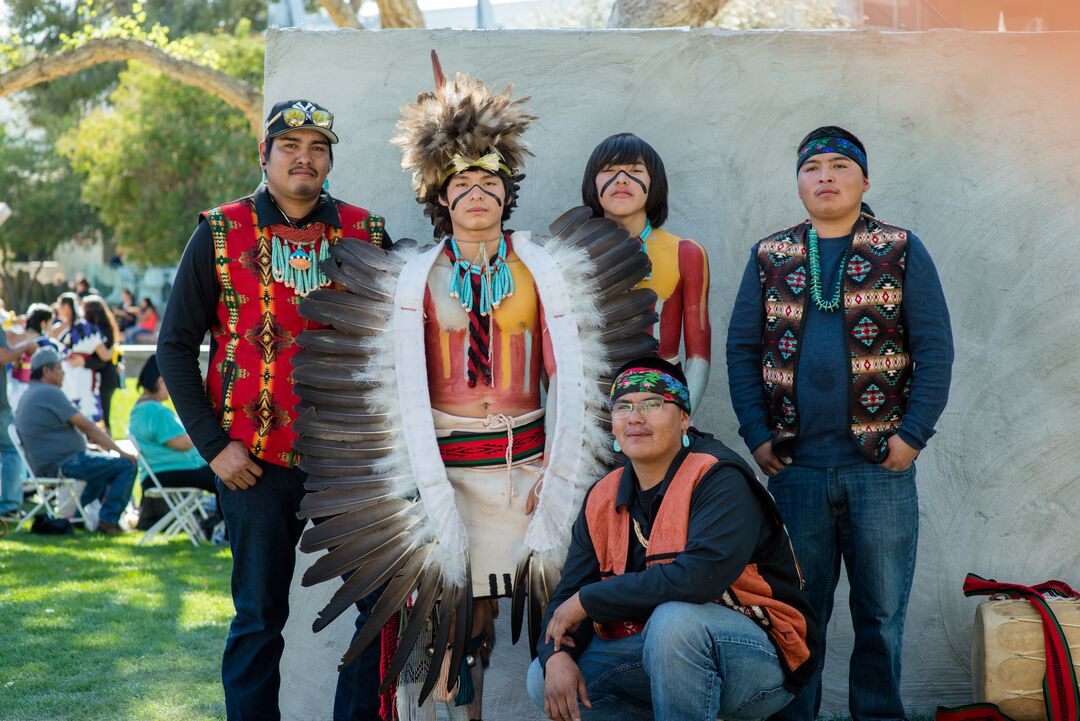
{"x":1060,"y":692}
{"x":470,"y":450}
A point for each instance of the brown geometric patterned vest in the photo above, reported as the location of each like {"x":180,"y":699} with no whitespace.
{"x":873,"y":293}
{"x":250,"y":384}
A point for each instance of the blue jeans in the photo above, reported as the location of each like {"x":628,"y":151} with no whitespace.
{"x":868,"y":516}
{"x":109,"y":479}
{"x":11,"y":470}
{"x":693,"y":662}
{"x":263,"y":533}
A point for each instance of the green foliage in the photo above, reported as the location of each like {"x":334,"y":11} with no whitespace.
{"x":96,"y":628}
{"x":43,"y":193}
{"x":161,"y":151}
{"x":31,"y":27}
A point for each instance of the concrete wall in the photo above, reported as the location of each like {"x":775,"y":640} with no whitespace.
{"x":972,"y":142}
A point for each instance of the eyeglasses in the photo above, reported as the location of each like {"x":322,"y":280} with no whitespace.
{"x":295,"y":117}
{"x":647,"y":407}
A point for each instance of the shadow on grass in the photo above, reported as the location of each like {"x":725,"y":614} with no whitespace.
{"x":99,"y":628}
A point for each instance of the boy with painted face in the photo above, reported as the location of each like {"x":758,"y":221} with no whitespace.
{"x":429,"y":431}
{"x":626,"y":182}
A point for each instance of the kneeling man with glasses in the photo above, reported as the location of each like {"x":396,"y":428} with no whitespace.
{"x":680,"y":596}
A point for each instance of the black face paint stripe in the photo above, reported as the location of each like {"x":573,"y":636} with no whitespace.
{"x":453,"y":206}
{"x":639,"y":181}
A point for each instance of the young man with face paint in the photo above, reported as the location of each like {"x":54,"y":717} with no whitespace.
{"x":465,"y":487}
{"x":625,"y":181}
{"x":839,"y":362}
{"x":242,"y":277}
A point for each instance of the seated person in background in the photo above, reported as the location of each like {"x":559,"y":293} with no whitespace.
{"x":126,"y":312}
{"x":11,"y":470}
{"x":145,"y":330}
{"x":680,"y":597}
{"x":52,"y":431}
{"x":165,"y":445}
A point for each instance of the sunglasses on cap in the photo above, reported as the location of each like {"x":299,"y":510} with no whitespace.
{"x":295,"y":117}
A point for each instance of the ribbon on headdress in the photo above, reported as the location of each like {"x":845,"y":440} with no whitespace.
{"x":492,"y":162}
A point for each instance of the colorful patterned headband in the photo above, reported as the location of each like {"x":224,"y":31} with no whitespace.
{"x":833,"y":145}
{"x":650,"y":380}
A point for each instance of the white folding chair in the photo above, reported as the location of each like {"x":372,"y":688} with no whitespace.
{"x":54,"y":496}
{"x":185,"y":506}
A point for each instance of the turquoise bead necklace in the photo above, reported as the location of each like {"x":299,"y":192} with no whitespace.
{"x":826,"y":306}
{"x":496,"y":282}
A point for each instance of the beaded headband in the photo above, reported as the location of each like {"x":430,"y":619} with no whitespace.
{"x":833,"y":145}
{"x":651,"y":380}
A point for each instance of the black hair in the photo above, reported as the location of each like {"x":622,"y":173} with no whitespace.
{"x":37,"y":315}
{"x":623,"y":149}
{"x":149,"y":303}
{"x":149,"y":375}
{"x":96,"y":311}
{"x":72,"y":301}
{"x":440,"y":214}
{"x":832,"y":131}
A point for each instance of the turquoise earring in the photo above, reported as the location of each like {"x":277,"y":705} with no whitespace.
{"x":326,"y":185}
{"x":685,"y":441}
{"x":616,"y":447}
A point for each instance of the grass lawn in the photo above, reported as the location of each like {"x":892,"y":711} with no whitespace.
{"x":122,"y":402}
{"x":95,"y":627}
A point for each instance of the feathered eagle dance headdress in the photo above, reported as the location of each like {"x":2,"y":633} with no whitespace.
{"x":462,"y":125}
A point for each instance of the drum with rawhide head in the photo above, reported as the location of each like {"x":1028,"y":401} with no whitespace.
{"x":1008,"y":654}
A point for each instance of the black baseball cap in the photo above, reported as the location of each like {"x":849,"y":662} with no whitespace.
{"x":289,"y":115}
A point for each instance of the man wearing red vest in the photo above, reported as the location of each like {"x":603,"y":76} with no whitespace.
{"x":244,"y":271}
{"x":680,"y":596}
{"x":839,"y":360}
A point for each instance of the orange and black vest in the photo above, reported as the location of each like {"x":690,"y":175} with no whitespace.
{"x":879,"y":381}
{"x":249,"y":383}
{"x":768,"y":591}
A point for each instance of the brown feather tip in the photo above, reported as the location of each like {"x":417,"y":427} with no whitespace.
{"x":436,"y":68}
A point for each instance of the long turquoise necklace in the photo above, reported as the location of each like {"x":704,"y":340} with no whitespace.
{"x":495,"y":281}
{"x":295,"y":256}
{"x":642,"y":237}
{"x":827,"y":306}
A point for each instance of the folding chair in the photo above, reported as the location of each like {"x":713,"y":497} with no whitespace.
{"x":53,"y":494}
{"x":185,"y":506}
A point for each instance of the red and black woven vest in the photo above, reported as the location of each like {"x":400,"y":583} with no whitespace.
{"x":249,"y":381}
{"x":767,"y":591}
{"x":873,"y":294}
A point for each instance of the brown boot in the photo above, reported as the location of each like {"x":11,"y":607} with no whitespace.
{"x":110,"y":529}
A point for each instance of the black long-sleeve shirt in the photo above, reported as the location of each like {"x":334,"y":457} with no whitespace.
{"x":727,"y":524}
{"x":192,"y":311}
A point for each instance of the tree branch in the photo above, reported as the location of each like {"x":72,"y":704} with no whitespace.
{"x":342,"y":13}
{"x":236,"y":92}
{"x":400,"y":14}
{"x":663,"y":13}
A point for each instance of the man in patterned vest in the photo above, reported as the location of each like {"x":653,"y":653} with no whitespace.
{"x":839,"y":360}
{"x":244,"y":271}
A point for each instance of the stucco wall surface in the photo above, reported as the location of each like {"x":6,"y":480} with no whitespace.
{"x":973,"y":143}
